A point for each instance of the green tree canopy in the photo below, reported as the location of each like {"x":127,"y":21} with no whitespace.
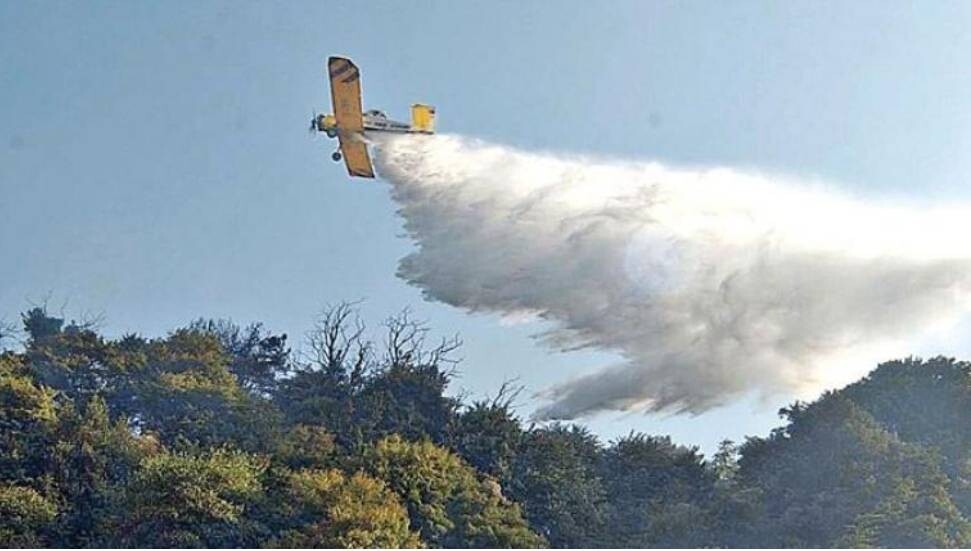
{"x":331,"y":509}
{"x":449,"y":504}
{"x":555,"y":476}
{"x":834,"y":476}
{"x":183,"y":500}
{"x":217,"y":435}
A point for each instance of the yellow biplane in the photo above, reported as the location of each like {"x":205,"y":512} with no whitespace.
{"x":350,"y":124}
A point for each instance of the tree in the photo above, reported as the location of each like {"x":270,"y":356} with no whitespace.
{"x":258,"y":359}
{"x":8,"y":332}
{"x":658,"y":493}
{"x":40,"y":325}
{"x":28,"y":418}
{"x":488,"y":435}
{"x":183,"y":500}
{"x":307,"y":446}
{"x":217,"y":436}
{"x":25,"y":515}
{"x":325,"y":388}
{"x":448,"y":503}
{"x":330,"y":509}
{"x":554,"y":475}
{"x":834,"y":476}
{"x":360,"y":397}
{"x":925,"y":403}
{"x":405,"y":395}
{"x":186,"y":394}
{"x":70,"y":359}
{"x":734,"y":508}
{"x":93,"y":459}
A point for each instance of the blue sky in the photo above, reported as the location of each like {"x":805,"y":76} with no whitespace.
{"x":155,"y":164}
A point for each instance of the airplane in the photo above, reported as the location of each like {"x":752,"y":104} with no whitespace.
{"x":350,"y":124}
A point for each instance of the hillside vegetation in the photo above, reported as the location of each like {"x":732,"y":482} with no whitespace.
{"x":220,"y":436}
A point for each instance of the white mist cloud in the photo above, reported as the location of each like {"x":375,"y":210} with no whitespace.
{"x":707,"y":283}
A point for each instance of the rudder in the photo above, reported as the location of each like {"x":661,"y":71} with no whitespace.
{"x":423,"y":118}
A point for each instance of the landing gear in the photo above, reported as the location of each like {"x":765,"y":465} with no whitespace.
{"x":336,"y":156}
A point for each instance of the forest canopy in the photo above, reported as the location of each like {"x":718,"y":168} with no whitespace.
{"x":220,"y":435}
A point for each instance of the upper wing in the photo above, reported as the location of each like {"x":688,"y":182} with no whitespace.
{"x":356,"y":157}
{"x":345,"y":92}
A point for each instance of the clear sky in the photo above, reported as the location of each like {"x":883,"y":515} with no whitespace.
{"x":155,"y":164}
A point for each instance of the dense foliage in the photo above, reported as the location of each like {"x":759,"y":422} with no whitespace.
{"x":221,"y":436}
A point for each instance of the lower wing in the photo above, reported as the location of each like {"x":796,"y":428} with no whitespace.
{"x":356,"y":157}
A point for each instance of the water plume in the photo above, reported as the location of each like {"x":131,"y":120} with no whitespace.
{"x":707,"y":284}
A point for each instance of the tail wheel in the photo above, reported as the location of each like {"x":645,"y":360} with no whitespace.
{"x":336,"y":156}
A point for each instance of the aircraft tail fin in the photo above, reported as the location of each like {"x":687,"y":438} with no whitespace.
{"x":423,"y":118}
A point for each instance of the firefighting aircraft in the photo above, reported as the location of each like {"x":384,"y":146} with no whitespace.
{"x":350,"y":124}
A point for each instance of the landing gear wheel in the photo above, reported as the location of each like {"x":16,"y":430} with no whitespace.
{"x":336,"y":156}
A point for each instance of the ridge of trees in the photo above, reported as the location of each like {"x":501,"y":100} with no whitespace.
{"x":218,"y":435}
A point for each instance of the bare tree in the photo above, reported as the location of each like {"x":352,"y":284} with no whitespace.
{"x":406,"y":344}
{"x":90,"y":321}
{"x":507,"y":395}
{"x":8,"y":332}
{"x":338,"y":343}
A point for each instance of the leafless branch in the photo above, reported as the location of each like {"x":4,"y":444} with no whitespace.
{"x":508,"y":393}
{"x":338,"y":340}
{"x":90,"y":321}
{"x":8,"y":332}
{"x":406,"y":344}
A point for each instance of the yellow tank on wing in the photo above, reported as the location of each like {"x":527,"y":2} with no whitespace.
{"x":422,"y":118}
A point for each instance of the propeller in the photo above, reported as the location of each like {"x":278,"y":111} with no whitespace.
{"x":313,"y":123}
